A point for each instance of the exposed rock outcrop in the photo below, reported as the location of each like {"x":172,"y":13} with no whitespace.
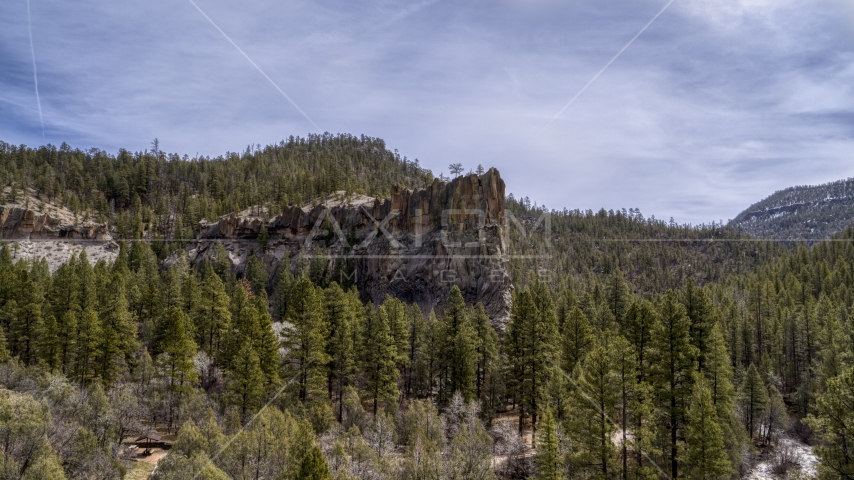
{"x":414,"y":245}
{"x":54,"y":238}
{"x":20,"y":223}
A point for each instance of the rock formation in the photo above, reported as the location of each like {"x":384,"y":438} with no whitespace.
{"x":20,"y":223}
{"x":414,"y":245}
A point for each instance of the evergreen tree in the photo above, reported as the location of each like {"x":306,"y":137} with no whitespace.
{"x":118,"y":341}
{"x":212,"y":316}
{"x":27,"y":320}
{"x":594,"y":403}
{"x":833,"y":422}
{"x":486,"y":349}
{"x":379,"y":359}
{"x":282,"y":290}
{"x":618,"y":296}
{"x":698,"y":308}
{"x":548,"y":457}
{"x":176,"y":362}
{"x":339,"y":316}
{"x":577,"y":339}
{"x":245,"y":380}
{"x":304,"y":339}
{"x":640,"y":322}
{"x":458,"y":350}
{"x":67,"y":329}
{"x":705,"y":455}
{"x":672,"y":370}
{"x":532,"y":347}
{"x":753,"y":398}
{"x":4,"y":350}
{"x":313,"y":466}
{"x":48,"y":343}
{"x":256,"y":274}
{"x":89,"y":338}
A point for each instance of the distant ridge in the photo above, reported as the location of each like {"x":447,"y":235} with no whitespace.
{"x":809,"y":212}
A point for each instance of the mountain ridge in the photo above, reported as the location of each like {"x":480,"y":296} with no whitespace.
{"x":802,"y":212}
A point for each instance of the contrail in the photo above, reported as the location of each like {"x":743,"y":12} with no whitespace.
{"x":255,"y":65}
{"x":35,"y":73}
{"x":605,"y":67}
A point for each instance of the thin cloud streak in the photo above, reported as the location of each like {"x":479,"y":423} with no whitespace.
{"x":35,"y":72}
{"x":604,"y":68}
{"x":253,"y":64}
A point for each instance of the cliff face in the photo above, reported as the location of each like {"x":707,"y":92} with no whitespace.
{"x":54,"y":237}
{"x":19,"y":223}
{"x":414,"y":245}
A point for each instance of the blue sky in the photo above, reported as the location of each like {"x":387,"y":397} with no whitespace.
{"x":716,"y":105}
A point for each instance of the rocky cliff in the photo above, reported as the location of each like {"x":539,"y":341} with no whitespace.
{"x":21,"y":223}
{"x":53,"y":235}
{"x":414,"y":245}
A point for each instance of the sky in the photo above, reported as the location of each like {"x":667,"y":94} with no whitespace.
{"x":714,"y":106}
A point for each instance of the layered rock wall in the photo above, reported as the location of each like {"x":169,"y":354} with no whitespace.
{"x":20,"y":223}
{"x":414,"y":245}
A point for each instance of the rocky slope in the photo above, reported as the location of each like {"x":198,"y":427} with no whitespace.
{"x":804,"y":212}
{"x":415,"y":245}
{"x":52,"y":233}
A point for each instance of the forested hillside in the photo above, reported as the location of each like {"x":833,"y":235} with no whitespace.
{"x":636,"y":348}
{"x":168,"y":194}
{"x":804,"y":212}
{"x":653,"y":254}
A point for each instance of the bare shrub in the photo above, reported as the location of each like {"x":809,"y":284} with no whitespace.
{"x":786,"y":458}
{"x":510,"y":448}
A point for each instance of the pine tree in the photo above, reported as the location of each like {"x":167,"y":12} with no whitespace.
{"x":705,"y":455}
{"x":577,"y":339}
{"x":672,"y":369}
{"x":4,"y":351}
{"x":719,"y":377}
{"x":245,"y":380}
{"x":27,"y":321}
{"x":698,"y":308}
{"x":753,"y":397}
{"x":640,"y":322}
{"x":398,"y":322}
{"x":532,"y":347}
{"x":457,"y":357}
{"x":379,"y":359}
{"x":212,"y":316}
{"x":304,"y":339}
{"x":594,"y":402}
{"x":548,"y":457}
{"x":67,"y":340}
{"x":833,"y":422}
{"x":339,"y":316}
{"x":486,"y":349}
{"x":256,"y":274}
{"x":176,"y":362}
{"x":313,"y":466}
{"x":618,"y":296}
{"x":416,"y":348}
{"x":118,"y":339}
{"x":48,"y":343}
{"x":89,"y":338}
{"x":265,"y":342}
{"x":282,"y":290}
